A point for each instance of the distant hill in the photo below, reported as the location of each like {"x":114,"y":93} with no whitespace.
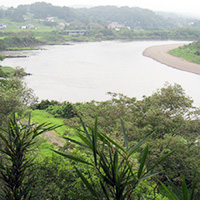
{"x":135,"y":18}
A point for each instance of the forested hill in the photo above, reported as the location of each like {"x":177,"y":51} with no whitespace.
{"x":135,"y":18}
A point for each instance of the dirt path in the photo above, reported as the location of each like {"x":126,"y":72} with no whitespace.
{"x":160,"y":54}
{"x":54,"y":138}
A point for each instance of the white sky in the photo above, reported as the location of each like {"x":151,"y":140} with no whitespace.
{"x":191,"y":7}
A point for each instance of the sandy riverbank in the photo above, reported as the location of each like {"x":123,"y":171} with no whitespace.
{"x":160,"y":54}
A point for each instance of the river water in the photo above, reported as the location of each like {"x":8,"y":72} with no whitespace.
{"x":87,"y":71}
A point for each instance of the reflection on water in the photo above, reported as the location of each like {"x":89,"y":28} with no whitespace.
{"x":87,"y":71}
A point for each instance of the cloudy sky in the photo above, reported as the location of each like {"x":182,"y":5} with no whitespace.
{"x":179,"y":6}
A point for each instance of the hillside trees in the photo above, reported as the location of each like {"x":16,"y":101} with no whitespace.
{"x":17,"y":40}
{"x":115,"y":166}
{"x":168,"y":112}
{"x":14,"y":97}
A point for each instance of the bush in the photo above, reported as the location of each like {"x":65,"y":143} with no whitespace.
{"x":44,"y":104}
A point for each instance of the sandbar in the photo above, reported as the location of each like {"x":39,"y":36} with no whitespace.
{"x":160,"y":54}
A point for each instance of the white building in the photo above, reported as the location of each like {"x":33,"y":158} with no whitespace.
{"x":3,"y":26}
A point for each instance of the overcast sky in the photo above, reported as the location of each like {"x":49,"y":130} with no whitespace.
{"x":191,"y":7}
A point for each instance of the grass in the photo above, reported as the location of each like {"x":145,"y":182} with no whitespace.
{"x":9,"y":71}
{"x":15,"y":26}
{"x":43,"y":147}
{"x":186,"y":52}
{"x":19,"y":48}
{"x":41,"y":116}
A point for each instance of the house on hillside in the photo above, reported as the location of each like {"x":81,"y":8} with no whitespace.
{"x":50,"y":19}
{"x":115,"y":25}
{"x":61,"y":25}
{"x":3,"y":26}
{"x":28,"y":26}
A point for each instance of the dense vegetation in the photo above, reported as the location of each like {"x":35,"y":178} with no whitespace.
{"x":19,"y":40}
{"x":189,"y":52}
{"x":166,"y":119}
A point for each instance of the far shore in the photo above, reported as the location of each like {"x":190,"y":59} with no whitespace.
{"x":160,"y":54}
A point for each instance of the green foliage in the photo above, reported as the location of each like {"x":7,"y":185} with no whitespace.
{"x":15,"y":97}
{"x":16,"y":183}
{"x":21,"y":39}
{"x":60,"y":110}
{"x":6,"y":72}
{"x":64,"y":110}
{"x":116,"y":171}
{"x":182,"y":194}
{"x":168,"y":113}
{"x":1,"y":57}
{"x":147,"y":190}
{"x":2,"y":73}
{"x":53,"y":37}
{"x":44,"y":104}
{"x":40,"y":116}
{"x":56,"y":178}
{"x":189,"y":52}
{"x":184,"y":161}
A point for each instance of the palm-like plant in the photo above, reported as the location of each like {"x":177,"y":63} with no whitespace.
{"x":113,"y":164}
{"x":16,"y":182}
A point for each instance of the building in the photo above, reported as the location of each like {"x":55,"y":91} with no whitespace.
{"x":115,"y":25}
{"x":3,"y":26}
{"x":28,"y":26}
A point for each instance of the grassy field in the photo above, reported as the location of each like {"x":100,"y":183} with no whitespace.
{"x":40,"y":116}
{"x":15,"y":26}
{"x":186,"y":52}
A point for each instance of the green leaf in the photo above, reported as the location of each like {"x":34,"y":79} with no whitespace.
{"x":175,"y":189}
{"x":161,"y":160}
{"x":76,"y":142}
{"x":174,"y":197}
{"x":85,"y":140}
{"x":85,"y":130}
{"x":139,"y":144}
{"x":72,"y":157}
{"x":184,"y":189}
{"x":124,"y":134}
{"x":192,"y":191}
{"x":87,"y":184}
{"x":149,"y":176}
{"x":94,"y":142}
{"x":104,"y":190}
{"x":142,"y":162}
{"x":112,"y":141}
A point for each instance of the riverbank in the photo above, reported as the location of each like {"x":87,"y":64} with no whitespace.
{"x":160,"y":54}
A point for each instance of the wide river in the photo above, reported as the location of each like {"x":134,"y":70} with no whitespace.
{"x":87,"y":71}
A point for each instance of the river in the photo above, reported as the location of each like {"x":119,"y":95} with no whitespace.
{"x":87,"y":71}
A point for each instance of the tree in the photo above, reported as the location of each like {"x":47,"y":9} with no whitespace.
{"x":16,"y":183}
{"x":14,"y":97}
